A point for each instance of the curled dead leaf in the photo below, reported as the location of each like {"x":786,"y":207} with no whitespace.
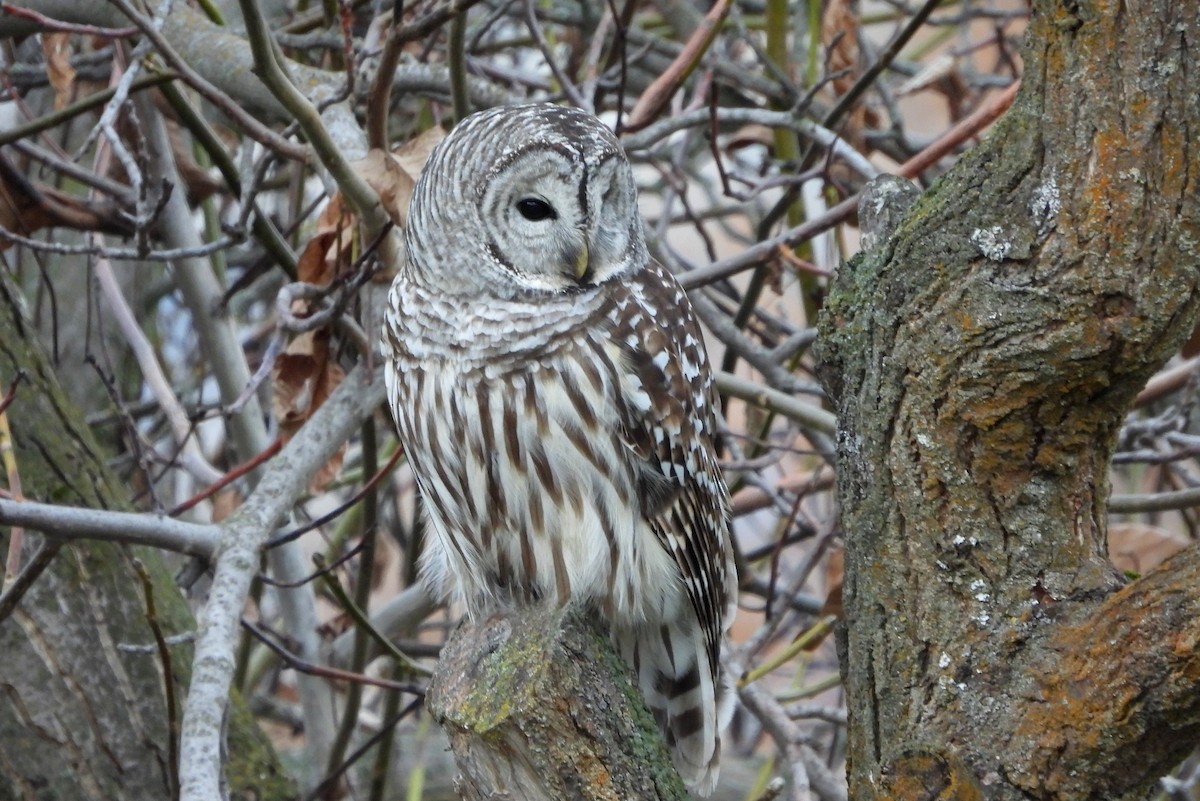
{"x":393,"y":175}
{"x":303,"y":378}
{"x":330,"y":251}
{"x":57,"y":49}
{"x":749,"y":136}
{"x":382,"y":171}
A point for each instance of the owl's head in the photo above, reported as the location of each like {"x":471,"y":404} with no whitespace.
{"x":526,"y":199}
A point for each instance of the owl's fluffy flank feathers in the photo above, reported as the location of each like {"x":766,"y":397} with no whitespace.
{"x":550,"y":385}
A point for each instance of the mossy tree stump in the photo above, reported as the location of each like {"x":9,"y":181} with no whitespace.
{"x":539,"y":707}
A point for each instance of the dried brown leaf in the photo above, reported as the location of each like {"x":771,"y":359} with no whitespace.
{"x":749,"y":136}
{"x":331,"y":249}
{"x":21,"y":209}
{"x":57,"y":49}
{"x":225,"y":503}
{"x":393,"y":175}
{"x":1138,"y":547}
{"x":839,"y":34}
{"x":382,"y":171}
{"x":304,"y":376}
{"x":413,"y":154}
{"x":1192,"y":346}
{"x":835,"y":568}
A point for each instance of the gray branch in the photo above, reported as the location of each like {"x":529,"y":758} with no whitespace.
{"x":284,"y":480}
{"x":71,"y":523}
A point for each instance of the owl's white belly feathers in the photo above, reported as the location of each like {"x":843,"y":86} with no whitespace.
{"x":528,"y":494}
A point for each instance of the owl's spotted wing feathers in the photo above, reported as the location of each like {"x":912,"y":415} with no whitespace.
{"x":669,"y":427}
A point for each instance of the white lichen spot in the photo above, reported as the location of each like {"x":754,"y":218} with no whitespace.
{"x":991,"y":243}
{"x":941,"y":565}
{"x":959,"y":539}
{"x":944,"y":660}
{"x":1046,"y":203}
{"x":1166,"y":68}
{"x":983,"y":618}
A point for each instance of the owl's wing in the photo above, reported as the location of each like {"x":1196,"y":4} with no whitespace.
{"x":669,"y":424}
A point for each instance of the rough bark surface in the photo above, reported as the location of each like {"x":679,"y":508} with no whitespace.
{"x":982,"y":359}
{"x":81,"y":719}
{"x":538,"y":706}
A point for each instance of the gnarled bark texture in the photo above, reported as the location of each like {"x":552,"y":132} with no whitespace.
{"x":538,"y":706}
{"x":982,"y":359}
{"x":80,"y":718}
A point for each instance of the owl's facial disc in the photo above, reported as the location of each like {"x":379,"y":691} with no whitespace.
{"x":553,"y":223}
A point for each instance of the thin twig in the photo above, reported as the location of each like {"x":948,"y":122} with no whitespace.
{"x":51,"y":24}
{"x":230,"y":476}
{"x":660,"y":92}
{"x":164,"y":655}
{"x":25,"y":579}
{"x":565,"y":84}
{"x":297,"y":663}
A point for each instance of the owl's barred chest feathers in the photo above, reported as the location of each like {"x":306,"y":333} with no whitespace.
{"x":509,"y":412}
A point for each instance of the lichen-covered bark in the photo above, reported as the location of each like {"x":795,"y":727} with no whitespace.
{"x":982,"y":360}
{"x":81,"y":719}
{"x":538,"y":706}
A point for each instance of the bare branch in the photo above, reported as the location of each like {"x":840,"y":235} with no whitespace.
{"x":140,"y":528}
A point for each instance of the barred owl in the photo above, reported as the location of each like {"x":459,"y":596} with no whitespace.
{"x":551,"y":387}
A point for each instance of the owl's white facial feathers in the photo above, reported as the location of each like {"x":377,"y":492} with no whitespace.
{"x":553,"y":209}
{"x":540,"y":254}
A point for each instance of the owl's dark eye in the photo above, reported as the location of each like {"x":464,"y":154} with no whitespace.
{"x":535,"y":209}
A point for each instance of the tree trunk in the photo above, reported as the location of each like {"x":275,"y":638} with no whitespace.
{"x":538,"y":706}
{"x":83,"y":719}
{"x":982,"y":359}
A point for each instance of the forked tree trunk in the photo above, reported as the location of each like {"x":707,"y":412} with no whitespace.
{"x":982,"y":359}
{"x":82,"y":719}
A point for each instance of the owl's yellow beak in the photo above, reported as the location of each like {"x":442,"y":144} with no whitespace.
{"x":581,"y":262}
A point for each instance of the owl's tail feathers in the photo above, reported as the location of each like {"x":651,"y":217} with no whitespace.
{"x":690,"y":704}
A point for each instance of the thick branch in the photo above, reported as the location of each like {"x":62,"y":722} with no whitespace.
{"x":71,"y":522}
{"x":1117,"y":691}
{"x":69,"y":688}
{"x":237,"y":562}
{"x":538,"y":706}
{"x":222,"y":57}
